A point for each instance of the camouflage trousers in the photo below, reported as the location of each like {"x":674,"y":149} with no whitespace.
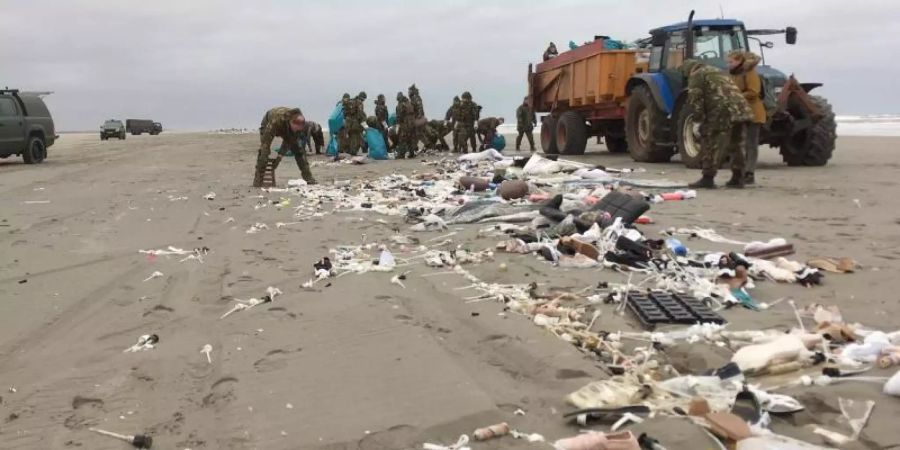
{"x":352,"y":140}
{"x":719,"y":144}
{"x":466,"y":135}
{"x":262,"y":159}
{"x":455,"y":140}
{"x":407,"y":142}
{"x":527,"y":132}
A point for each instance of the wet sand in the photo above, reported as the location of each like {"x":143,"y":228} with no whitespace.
{"x":361,"y":363}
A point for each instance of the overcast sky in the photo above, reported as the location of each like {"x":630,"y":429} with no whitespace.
{"x":203,"y":64}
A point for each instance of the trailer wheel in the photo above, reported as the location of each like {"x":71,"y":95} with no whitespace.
{"x":571,"y":134}
{"x":642,"y":121}
{"x":815,"y":145}
{"x":688,"y":144}
{"x":616,"y":144}
{"x":548,"y":135}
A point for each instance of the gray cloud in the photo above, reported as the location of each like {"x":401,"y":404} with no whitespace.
{"x":206,"y":64}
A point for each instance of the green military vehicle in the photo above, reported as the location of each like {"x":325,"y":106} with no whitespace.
{"x":26,"y":127}
{"x":112,"y":128}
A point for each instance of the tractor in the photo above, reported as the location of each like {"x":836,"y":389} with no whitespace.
{"x":658,"y":123}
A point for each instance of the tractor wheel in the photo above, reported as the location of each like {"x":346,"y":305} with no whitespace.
{"x":571,"y":134}
{"x":813,"y":146}
{"x":616,"y":144}
{"x":548,"y":136}
{"x":36,"y":151}
{"x":642,"y":122}
{"x":688,"y":144}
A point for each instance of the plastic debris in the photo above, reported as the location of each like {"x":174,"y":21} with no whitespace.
{"x":242,"y":305}
{"x":137,"y":441}
{"x":210,"y":196}
{"x":490,"y":432}
{"x":145,"y":342}
{"x":207,"y":349}
{"x":155,"y":274}
{"x":256,"y":228}
{"x":461,"y":444}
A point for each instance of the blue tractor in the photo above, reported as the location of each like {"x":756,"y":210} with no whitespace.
{"x":658,"y":123}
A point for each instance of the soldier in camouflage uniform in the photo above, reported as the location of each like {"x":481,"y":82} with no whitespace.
{"x":288,"y":124}
{"x":435,"y":130}
{"x":354,"y":116}
{"x":449,"y":118}
{"x":476,"y":112}
{"x":313,"y":134}
{"x":406,"y":128}
{"x":465,"y":122}
{"x":525,"y":122}
{"x":381,"y":118}
{"x":720,"y":114}
{"x":418,"y":113}
{"x":342,"y":134}
{"x":487,"y":129}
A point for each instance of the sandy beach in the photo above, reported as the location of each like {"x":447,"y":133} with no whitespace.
{"x":357,"y":362}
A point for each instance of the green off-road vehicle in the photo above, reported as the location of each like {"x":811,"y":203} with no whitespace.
{"x":112,"y":129}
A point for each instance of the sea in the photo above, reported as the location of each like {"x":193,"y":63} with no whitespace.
{"x":865,"y":125}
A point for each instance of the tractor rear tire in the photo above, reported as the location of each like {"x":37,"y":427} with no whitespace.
{"x":616,"y":144}
{"x":688,"y":144}
{"x":815,"y":146}
{"x":548,"y":136}
{"x":571,"y":134}
{"x":642,"y":121}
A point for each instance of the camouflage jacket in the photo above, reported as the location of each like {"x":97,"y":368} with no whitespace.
{"x":525,"y":117}
{"x":715,"y":100}
{"x":354,"y":115}
{"x":418,"y":108}
{"x":466,"y":114}
{"x":276,"y":123}
{"x":381,"y":112}
{"x":451,"y":113}
{"x":405,"y":113}
{"x":436,"y":129}
{"x":488,"y":124}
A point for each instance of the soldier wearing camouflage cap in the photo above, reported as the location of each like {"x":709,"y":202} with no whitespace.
{"x":288,"y":124}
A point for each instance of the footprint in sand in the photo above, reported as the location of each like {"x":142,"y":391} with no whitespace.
{"x":274,"y":360}
{"x":222,"y":391}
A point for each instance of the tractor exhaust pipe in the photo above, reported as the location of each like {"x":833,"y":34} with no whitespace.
{"x":689,"y":40}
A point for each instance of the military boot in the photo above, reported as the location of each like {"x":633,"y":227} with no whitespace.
{"x":749,"y":178}
{"x":707,"y":182}
{"x":737,"y":180}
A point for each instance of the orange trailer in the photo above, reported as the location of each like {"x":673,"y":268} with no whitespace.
{"x":583,"y":90}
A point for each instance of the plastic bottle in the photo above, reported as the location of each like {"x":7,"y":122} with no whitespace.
{"x":676,"y":246}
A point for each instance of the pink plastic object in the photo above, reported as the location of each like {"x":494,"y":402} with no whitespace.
{"x":594,"y":440}
{"x":643,"y":220}
{"x":670,"y":196}
{"x":538,"y":197}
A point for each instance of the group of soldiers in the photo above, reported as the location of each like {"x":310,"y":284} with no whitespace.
{"x":463,"y":119}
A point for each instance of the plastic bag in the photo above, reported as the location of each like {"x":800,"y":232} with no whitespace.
{"x":377,"y":149}
{"x":335,"y":124}
{"x":499,"y":142}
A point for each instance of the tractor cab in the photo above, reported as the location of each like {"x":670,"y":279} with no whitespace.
{"x":712,"y":41}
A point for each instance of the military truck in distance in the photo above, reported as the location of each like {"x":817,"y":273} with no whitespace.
{"x":26,"y":127}
{"x":112,"y":128}
{"x":140,"y":126}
